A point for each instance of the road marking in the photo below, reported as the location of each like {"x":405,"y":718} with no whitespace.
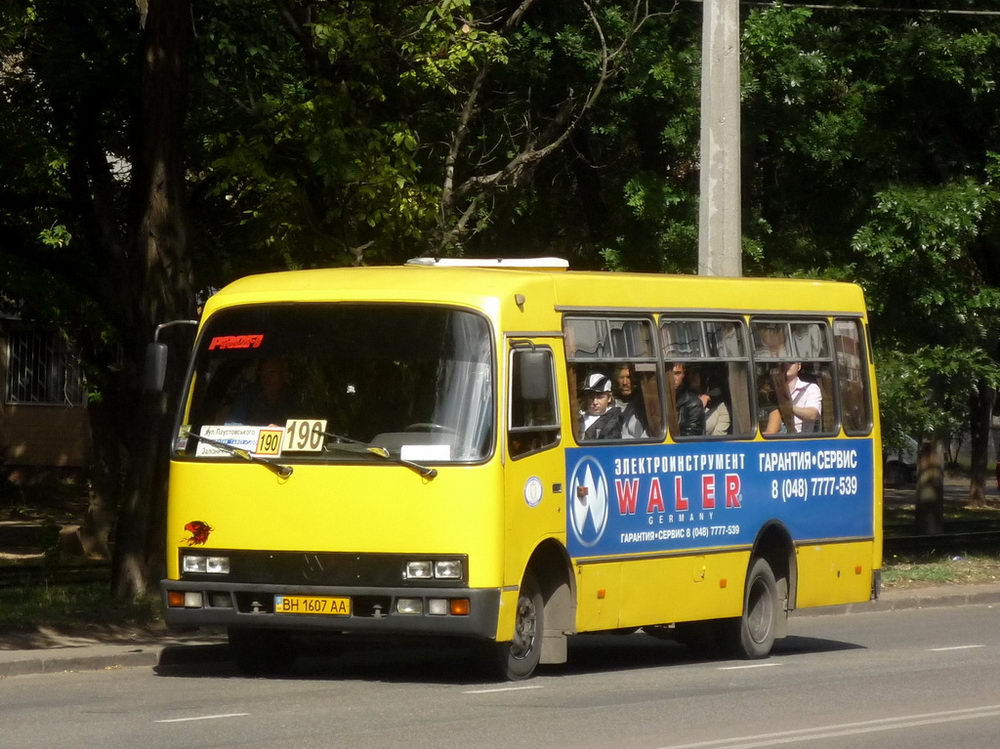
{"x":752,"y":665}
{"x":501,"y":689}
{"x":202,"y":717}
{"x":846,"y":729}
{"x":955,"y":647}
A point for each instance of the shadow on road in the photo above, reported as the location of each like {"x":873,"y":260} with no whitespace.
{"x":796,"y":645}
{"x":460,"y":664}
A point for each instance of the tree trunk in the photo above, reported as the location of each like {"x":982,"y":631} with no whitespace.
{"x":162,"y":282}
{"x":929,"y":497}
{"x":105,"y":481}
{"x":980,"y":417}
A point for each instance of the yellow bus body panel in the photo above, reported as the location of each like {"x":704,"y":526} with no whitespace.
{"x":834,"y":573}
{"x":637,"y":592}
{"x":352,"y":508}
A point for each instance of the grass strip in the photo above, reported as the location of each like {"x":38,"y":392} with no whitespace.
{"x":923,"y":570}
{"x":80,"y":604}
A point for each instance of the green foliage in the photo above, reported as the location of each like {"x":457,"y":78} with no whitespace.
{"x":326,"y":133}
{"x":869,"y":140}
{"x":924,"y":393}
{"x":918,"y":245}
{"x":449,"y":46}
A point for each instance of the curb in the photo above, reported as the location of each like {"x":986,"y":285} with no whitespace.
{"x":156,"y":656}
{"x":47,"y":663}
{"x":915,"y":600}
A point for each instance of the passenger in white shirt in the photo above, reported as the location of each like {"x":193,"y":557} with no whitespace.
{"x":805,"y":399}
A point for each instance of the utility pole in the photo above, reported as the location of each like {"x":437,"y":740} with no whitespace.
{"x":719,"y":234}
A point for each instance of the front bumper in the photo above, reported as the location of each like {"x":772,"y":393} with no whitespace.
{"x":373,"y":609}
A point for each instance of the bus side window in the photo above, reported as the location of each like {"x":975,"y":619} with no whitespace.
{"x":533,"y":423}
{"x":794,"y":370}
{"x":708,"y":369}
{"x":852,"y":365}
{"x":619,"y":354}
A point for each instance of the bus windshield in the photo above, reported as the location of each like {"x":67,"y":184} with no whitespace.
{"x":330,"y":381}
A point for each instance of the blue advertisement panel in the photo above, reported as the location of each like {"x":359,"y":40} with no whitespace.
{"x":627,"y":499}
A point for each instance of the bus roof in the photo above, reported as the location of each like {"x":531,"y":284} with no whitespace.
{"x":489,"y":288}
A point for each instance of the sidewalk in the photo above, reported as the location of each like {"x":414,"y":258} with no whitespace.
{"x":49,"y":650}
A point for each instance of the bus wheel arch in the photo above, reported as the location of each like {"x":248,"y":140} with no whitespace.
{"x":768,"y":596}
{"x":774,"y":550}
{"x":550,"y":565}
{"x":774,"y":543}
{"x":544,"y":613}
{"x":517,"y":659}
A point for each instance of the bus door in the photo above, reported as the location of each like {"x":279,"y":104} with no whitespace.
{"x":535,"y":494}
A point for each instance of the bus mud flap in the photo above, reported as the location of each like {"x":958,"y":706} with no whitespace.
{"x":781,"y":622}
{"x":553,"y":647}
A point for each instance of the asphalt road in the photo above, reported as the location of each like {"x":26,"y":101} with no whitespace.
{"x":918,"y":678}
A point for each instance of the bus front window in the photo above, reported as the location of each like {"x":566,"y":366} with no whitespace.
{"x":414,"y":380}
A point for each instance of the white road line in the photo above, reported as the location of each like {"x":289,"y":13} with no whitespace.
{"x":202,"y":717}
{"x":845,"y":729}
{"x":752,"y":665}
{"x":501,"y":689}
{"x":955,"y":647}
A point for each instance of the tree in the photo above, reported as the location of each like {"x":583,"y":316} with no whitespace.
{"x":97,"y":94}
{"x":340,"y":142}
{"x":373,"y":132}
{"x":862,"y":169}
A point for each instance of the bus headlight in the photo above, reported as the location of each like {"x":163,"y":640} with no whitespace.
{"x":442,"y":569}
{"x":217,"y":565}
{"x":418,"y":570}
{"x":448,"y":569}
{"x":202,"y":564}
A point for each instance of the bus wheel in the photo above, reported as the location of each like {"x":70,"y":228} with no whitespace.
{"x":752,"y":635}
{"x":261,"y":652}
{"x":518,"y":658}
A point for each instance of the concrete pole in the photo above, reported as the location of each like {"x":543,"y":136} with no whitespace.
{"x":719,"y":235}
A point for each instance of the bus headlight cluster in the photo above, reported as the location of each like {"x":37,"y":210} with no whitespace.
{"x":202,"y":564}
{"x":441,"y":569}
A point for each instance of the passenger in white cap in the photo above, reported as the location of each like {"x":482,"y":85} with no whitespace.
{"x":599,"y":420}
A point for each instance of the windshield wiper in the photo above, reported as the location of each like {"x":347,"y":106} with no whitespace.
{"x":425,"y":471}
{"x":283,"y":471}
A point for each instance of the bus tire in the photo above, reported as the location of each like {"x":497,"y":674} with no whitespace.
{"x":261,"y":652}
{"x":752,"y":635}
{"x":517,"y":659}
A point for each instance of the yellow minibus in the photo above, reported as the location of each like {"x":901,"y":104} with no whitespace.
{"x":514,"y":453}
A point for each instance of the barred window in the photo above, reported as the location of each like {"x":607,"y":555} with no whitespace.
{"x":42,"y":369}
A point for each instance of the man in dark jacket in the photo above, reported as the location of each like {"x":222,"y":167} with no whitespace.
{"x":628,"y":399}
{"x":599,"y":420}
{"x":690,"y":411}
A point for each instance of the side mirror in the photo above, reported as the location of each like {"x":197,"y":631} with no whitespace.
{"x":535,"y":375}
{"x":154,"y":371}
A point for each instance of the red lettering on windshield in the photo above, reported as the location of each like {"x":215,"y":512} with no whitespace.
{"x":235,"y":341}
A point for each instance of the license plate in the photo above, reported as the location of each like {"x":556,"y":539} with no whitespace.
{"x":312,"y":605}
